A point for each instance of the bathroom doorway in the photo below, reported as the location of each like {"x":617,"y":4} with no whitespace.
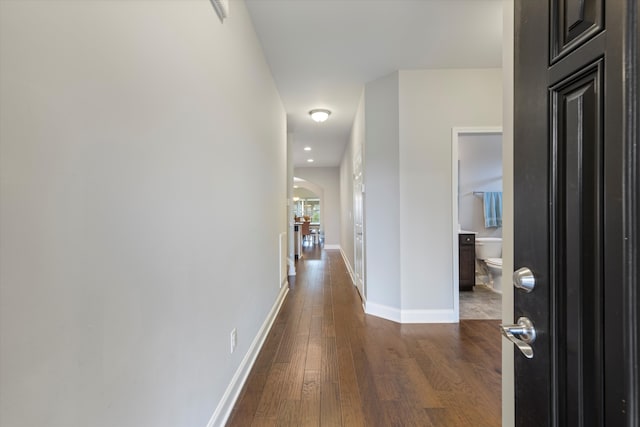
{"x":477,"y":222}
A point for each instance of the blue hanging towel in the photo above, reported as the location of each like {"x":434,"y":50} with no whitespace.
{"x":492,"y":209}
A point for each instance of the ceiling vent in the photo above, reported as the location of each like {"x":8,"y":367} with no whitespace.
{"x":222,"y":8}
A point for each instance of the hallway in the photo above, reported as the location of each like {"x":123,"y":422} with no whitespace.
{"x":326,"y":363}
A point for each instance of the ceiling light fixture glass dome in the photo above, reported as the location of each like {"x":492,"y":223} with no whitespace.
{"x":319,"y":115}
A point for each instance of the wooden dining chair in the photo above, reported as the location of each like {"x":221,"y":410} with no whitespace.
{"x":305,"y":231}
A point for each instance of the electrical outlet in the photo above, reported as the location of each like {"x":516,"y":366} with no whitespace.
{"x":234,"y":339}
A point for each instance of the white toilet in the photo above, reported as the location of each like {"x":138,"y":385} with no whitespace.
{"x":489,"y":252}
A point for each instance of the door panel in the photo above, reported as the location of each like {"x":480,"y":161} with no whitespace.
{"x":575,"y":22}
{"x":577,"y":184}
{"x":572,"y":90}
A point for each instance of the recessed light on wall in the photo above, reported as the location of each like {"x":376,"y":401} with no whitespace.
{"x":307,"y":148}
{"x":319,"y":115}
{"x":310,"y":160}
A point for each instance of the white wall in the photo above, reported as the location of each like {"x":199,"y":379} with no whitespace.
{"x":432,"y":102}
{"x":329,"y":180}
{"x":480,"y":170}
{"x":382,"y":198}
{"x":129,"y":135}
{"x":408,"y":117}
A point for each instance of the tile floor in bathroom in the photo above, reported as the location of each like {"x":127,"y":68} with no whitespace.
{"x":481,"y":303}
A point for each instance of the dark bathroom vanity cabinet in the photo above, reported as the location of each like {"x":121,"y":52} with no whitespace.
{"x":467,"y":261}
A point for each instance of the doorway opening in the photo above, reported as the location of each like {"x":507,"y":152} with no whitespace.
{"x":308,"y":211}
{"x":477,"y":222}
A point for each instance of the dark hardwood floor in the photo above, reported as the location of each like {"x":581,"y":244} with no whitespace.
{"x":326,"y":363}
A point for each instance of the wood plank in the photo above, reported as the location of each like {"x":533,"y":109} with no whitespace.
{"x":294,"y":376}
{"x":270,"y":398}
{"x":350,"y":400}
{"x":289,"y":413}
{"x":310,"y":405}
{"x":330,"y":410}
{"x":414,"y":386}
{"x":327,"y":363}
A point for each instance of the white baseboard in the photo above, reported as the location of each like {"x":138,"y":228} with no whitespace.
{"x":284,"y":260}
{"x":225,"y":406}
{"x":349,"y":269}
{"x":429,"y":316}
{"x":292,"y":266}
{"x":331,"y":246}
{"x":384,"y":311}
{"x":410,"y":316}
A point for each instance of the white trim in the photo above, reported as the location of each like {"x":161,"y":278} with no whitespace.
{"x":283,"y":260}
{"x":292,"y":266}
{"x":331,"y":247}
{"x":411,"y":316}
{"x":455,"y":135}
{"x":349,"y":268}
{"x":429,"y":316}
{"x":353,"y":279}
{"x":222,"y":412}
{"x":384,"y":311}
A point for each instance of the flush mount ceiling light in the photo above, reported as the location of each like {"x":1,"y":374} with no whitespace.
{"x":307,"y":148}
{"x":319,"y":115}
{"x":310,"y":160}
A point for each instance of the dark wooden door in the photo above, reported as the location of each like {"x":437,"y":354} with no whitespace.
{"x":575,"y":172}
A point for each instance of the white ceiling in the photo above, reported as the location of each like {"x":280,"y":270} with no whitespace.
{"x":322,"y":52}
